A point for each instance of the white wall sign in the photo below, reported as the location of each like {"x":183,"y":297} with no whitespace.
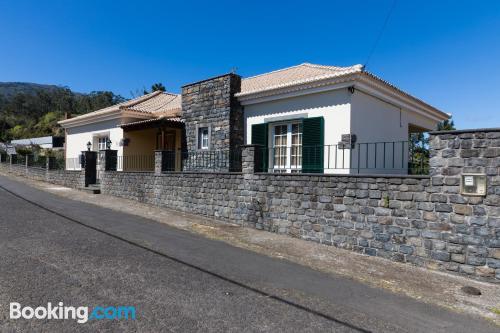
{"x":469,"y":180}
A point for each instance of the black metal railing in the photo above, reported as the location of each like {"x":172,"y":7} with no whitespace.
{"x":37,"y":161}
{"x":19,"y":159}
{"x":200,"y":160}
{"x":395,"y":157}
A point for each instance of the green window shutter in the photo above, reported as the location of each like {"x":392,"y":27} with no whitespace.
{"x":260,"y":136}
{"x":313,"y":134}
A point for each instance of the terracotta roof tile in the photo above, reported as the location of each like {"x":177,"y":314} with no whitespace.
{"x":294,"y":75}
{"x":156,"y":104}
{"x":165,"y":104}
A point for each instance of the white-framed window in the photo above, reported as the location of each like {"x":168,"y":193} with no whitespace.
{"x":203,"y":138}
{"x":287,"y":147}
{"x":101,"y":142}
{"x":280,"y":139}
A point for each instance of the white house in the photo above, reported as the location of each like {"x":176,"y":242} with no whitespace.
{"x":101,"y":126}
{"x":306,"y":118}
{"x":343,"y":101}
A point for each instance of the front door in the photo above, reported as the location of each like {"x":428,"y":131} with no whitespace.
{"x":101,"y":143}
{"x":170,"y":145}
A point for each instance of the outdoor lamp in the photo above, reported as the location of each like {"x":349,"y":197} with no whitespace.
{"x":89,"y":145}
{"x":108,"y":144}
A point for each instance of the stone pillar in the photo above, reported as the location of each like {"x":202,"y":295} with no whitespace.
{"x":158,"y":162}
{"x":110,"y":159}
{"x":167,"y":160}
{"x":471,"y":243}
{"x":248,"y":159}
{"x":466,"y":151}
{"x":211,"y":104}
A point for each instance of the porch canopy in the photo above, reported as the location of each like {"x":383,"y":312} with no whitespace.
{"x":167,"y":131}
{"x":142,"y":138}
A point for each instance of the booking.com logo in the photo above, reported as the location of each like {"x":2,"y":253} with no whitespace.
{"x":80,"y":314}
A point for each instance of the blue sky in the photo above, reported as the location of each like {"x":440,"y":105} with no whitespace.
{"x":444,"y":52}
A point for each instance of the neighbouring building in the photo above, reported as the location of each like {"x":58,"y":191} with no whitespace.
{"x":51,"y":142}
{"x":306,"y":118}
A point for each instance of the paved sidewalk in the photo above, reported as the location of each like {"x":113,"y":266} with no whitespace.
{"x":431,"y":287}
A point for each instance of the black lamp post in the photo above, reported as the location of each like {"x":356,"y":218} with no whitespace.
{"x":108,"y":144}
{"x":89,"y":145}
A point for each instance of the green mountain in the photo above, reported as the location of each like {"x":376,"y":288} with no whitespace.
{"x":10,"y":89}
{"x":31,"y":109}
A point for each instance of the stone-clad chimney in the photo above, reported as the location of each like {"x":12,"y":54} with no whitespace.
{"x":211,"y":104}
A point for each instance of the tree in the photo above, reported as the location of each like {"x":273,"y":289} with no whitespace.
{"x":158,"y":87}
{"x":26,"y":115}
{"x":446,"y":125}
{"x":418,"y":153}
{"x":143,"y":91}
{"x":419,"y":148}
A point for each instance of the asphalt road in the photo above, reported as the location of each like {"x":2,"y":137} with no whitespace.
{"x":54,"y":249}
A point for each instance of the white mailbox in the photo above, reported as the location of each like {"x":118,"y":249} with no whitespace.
{"x":473,"y":184}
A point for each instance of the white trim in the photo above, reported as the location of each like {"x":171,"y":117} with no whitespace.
{"x":197,"y":136}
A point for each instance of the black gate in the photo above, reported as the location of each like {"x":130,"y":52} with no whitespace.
{"x":90,"y":160}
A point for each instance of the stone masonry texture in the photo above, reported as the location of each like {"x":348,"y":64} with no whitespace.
{"x":74,"y":179}
{"x":211,"y":103}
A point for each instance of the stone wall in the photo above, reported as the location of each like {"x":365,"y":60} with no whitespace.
{"x":219,"y":195}
{"x":211,"y":103}
{"x":74,"y":179}
{"x":68,"y":178}
{"x":21,"y":170}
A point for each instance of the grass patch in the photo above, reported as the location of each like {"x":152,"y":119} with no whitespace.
{"x":495,"y":311}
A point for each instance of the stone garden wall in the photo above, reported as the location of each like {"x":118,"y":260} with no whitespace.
{"x":74,"y":179}
{"x":219,"y":195}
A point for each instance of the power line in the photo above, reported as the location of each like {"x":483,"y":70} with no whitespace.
{"x":381,"y":32}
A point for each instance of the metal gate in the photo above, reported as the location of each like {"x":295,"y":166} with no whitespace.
{"x":89,"y":163}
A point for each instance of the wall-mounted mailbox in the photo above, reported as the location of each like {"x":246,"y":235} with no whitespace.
{"x":347,"y":141}
{"x":473,"y":184}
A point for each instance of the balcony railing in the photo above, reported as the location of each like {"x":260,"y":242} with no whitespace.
{"x":395,"y":157}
